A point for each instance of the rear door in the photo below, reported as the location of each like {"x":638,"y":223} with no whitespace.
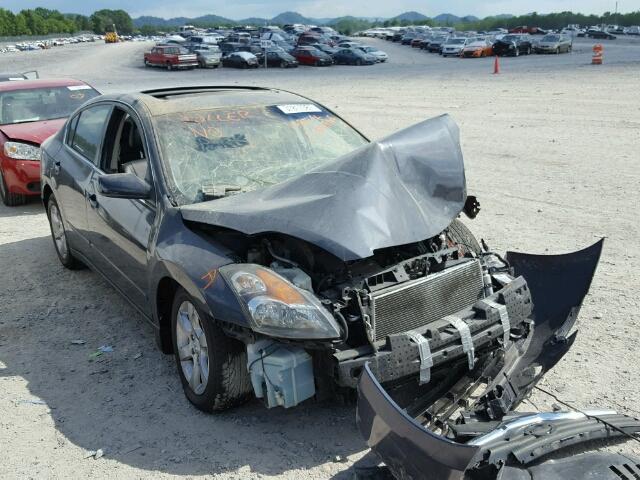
{"x":121,"y":228}
{"x":74,"y":167}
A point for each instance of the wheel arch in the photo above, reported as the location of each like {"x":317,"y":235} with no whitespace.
{"x":165,"y":293}
{"x":47,"y":192}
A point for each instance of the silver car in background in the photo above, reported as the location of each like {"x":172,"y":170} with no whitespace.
{"x":554,"y":43}
{"x":453,"y":46}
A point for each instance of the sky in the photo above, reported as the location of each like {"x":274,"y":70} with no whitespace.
{"x":238,"y":9}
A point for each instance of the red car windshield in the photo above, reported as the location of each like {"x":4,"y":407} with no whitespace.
{"x":33,"y":105}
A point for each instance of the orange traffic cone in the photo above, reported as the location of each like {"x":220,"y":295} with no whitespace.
{"x":496,"y":66}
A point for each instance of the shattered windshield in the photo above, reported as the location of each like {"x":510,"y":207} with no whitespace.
{"x":38,"y":104}
{"x":241,"y":149}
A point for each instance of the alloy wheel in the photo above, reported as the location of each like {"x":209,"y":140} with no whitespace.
{"x":192,"y":346}
{"x":57,"y":229}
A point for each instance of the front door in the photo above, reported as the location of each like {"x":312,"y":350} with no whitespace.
{"x":121,"y":228}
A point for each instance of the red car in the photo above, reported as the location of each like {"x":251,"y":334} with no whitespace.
{"x":170,"y":57}
{"x":30,"y":112}
{"x":308,"y":55}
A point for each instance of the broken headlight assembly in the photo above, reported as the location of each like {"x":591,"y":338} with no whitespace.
{"x":277,"y":308}
{"x":21,"y":151}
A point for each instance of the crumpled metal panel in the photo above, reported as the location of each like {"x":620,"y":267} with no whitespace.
{"x":399,"y":190}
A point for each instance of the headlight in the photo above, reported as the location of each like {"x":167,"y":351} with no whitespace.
{"x":21,"y":151}
{"x":277,"y":308}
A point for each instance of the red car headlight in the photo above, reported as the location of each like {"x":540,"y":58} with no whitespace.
{"x":21,"y":151}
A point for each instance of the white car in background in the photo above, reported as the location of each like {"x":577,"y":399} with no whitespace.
{"x":379,"y":54}
{"x":453,"y":46}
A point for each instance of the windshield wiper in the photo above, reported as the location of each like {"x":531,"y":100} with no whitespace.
{"x":212,"y":192}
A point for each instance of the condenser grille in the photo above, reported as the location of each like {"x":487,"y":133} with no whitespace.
{"x":420,"y":302}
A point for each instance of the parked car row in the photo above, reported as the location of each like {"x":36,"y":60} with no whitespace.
{"x":246,"y":48}
{"x":449,"y":43}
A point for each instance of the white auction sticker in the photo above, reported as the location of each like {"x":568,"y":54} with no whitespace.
{"x":299,"y":108}
{"x":79,"y":87}
{"x":15,"y":79}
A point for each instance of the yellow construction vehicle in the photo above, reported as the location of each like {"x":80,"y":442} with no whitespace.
{"x":111,"y":37}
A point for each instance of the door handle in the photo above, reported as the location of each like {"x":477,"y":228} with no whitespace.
{"x":93,"y":200}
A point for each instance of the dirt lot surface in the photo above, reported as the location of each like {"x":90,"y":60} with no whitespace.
{"x":551,"y":147}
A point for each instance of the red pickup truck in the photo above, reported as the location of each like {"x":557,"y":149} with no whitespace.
{"x":170,"y":57}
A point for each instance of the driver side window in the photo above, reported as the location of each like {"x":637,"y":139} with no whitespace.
{"x":124,"y":150}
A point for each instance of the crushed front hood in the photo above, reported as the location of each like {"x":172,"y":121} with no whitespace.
{"x":33,"y":132}
{"x":399,"y":190}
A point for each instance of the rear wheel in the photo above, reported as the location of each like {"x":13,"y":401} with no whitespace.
{"x":461,"y":234}
{"x":358,"y":62}
{"x":169,"y":66}
{"x":59,"y":236}
{"x":212,"y":366}
{"x":8,"y":198}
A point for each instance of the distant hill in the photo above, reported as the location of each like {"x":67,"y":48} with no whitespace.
{"x":291,"y":17}
{"x":447,"y":18}
{"x":179,"y":21}
{"x":295,"y":17}
{"x":411,"y":17}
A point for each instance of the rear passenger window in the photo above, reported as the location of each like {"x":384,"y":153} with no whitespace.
{"x":89,"y":130}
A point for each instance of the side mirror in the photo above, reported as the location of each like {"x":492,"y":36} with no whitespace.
{"x":123,"y":185}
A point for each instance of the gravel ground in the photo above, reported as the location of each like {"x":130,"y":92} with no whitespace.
{"x":551,"y":147}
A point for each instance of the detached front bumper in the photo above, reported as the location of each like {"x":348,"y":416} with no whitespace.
{"x":411,"y":430}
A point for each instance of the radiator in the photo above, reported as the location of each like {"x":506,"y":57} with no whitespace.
{"x":419,"y":302}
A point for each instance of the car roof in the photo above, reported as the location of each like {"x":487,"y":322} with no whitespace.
{"x":40,"y":83}
{"x":186,"y":99}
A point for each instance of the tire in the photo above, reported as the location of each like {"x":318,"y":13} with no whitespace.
{"x":225,"y":383}
{"x":528,"y":50}
{"x":517,"y":52}
{"x":358,"y":62}
{"x":461,"y":234}
{"x":169,"y":66}
{"x":558,"y":51}
{"x":8,"y":198}
{"x":59,"y":236}
{"x":146,"y":63}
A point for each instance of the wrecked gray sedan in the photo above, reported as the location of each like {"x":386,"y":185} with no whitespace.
{"x":279,"y":253}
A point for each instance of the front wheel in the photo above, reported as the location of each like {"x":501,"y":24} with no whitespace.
{"x":169,"y":66}
{"x":8,"y":198}
{"x":59,"y":236}
{"x":212,"y":366}
{"x":517,"y":52}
